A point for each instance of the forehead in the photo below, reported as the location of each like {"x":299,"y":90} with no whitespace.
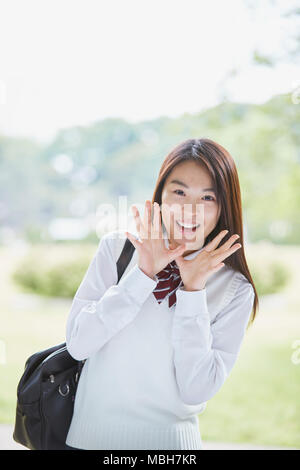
{"x":192,"y":173}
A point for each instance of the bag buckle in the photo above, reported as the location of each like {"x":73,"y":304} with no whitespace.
{"x":64,"y":394}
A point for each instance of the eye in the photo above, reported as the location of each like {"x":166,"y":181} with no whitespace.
{"x":211,"y":198}
{"x":178,"y":190}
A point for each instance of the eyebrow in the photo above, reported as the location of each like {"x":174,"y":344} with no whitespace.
{"x":181,"y":183}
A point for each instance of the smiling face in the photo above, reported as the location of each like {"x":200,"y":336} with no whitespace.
{"x":189,"y":195}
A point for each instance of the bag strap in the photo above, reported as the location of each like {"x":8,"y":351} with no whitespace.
{"x":125,"y":257}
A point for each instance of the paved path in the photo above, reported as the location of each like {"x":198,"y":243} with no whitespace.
{"x":7,"y":443}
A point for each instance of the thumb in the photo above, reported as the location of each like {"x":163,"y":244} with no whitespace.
{"x":177,"y":253}
{"x":136,"y":243}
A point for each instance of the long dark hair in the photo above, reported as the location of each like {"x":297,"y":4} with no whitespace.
{"x":224,"y":175}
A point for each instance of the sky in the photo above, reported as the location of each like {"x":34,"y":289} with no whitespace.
{"x":72,"y":62}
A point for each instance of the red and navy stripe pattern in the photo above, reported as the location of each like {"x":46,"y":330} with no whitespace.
{"x":169,"y":280}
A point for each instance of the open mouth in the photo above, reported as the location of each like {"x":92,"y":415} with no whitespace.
{"x":187,"y":228}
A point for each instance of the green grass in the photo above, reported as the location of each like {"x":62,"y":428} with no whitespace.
{"x":259,"y":402}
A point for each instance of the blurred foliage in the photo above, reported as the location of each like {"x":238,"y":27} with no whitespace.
{"x":259,"y":401}
{"x":61,"y":268}
{"x":54,"y":271}
{"x":269,"y":277}
{"x":113,"y":157}
{"x":270,"y":272}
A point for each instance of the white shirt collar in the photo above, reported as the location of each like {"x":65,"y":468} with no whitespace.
{"x":190,"y":256}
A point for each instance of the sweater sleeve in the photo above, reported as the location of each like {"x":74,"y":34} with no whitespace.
{"x":205,"y":353}
{"x":101,"y":307}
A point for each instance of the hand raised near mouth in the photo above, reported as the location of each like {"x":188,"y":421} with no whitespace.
{"x":153,"y":255}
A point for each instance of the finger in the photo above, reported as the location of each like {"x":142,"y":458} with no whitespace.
{"x":137,"y":218}
{"x":136,"y":243}
{"x":157,"y":229}
{"x":218,"y":267}
{"x":227,"y":244}
{"x":212,"y":245}
{"x":172,"y":221}
{"x":172,"y":244}
{"x":147,"y":219}
{"x":233,"y":249}
{"x":177,"y":252}
{"x":178,"y":249}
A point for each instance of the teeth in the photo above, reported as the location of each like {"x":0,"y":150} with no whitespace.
{"x":187,"y":225}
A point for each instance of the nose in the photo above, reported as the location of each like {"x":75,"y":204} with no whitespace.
{"x":191,"y":213}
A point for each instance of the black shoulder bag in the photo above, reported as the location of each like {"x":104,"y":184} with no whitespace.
{"x":47,"y":388}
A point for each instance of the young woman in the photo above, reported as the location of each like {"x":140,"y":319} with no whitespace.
{"x":160,"y":343}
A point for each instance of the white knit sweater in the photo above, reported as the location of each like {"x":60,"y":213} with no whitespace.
{"x":150,"y":369}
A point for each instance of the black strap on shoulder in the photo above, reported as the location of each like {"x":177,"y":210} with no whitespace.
{"x":125,"y":257}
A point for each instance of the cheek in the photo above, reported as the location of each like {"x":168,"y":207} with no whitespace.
{"x":171,"y":207}
{"x":166,"y":209}
{"x":165,"y":215}
{"x":210,"y":214}
{"x":167,"y":198}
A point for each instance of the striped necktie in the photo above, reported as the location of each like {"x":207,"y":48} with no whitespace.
{"x":169,"y":280}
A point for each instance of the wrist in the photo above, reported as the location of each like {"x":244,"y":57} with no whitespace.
{"x":149,"y":274}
